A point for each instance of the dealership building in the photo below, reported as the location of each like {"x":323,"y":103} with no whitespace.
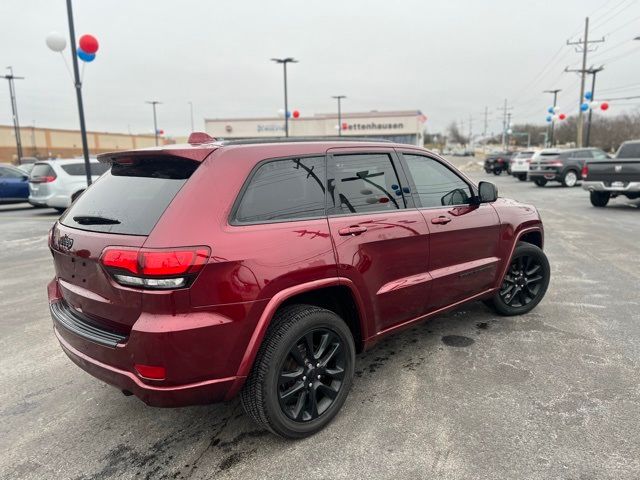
{"x":403,"y":126}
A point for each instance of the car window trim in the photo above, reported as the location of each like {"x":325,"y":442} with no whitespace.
{"x":414,"y":189}
{"x":234,"y":222}
{"x":397,"y":168}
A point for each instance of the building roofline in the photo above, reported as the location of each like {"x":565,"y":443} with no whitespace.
{"x":323,"y":116}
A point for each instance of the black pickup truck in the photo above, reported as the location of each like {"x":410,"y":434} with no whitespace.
{"x":619,"y":176}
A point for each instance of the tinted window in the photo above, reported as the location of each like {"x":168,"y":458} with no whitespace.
{"x":629,"y":150}
{"x":436,"y":184}
{"x":363,"y":183}
{"x":78,"y":168}
{"x":284,"y":189}
{"x":42,"y":170}
{"x":135,"y":196}
{"x":583,"y":154}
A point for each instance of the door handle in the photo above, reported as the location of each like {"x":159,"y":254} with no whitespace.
{"x":352,"y":230}
{"x":441,"y":220}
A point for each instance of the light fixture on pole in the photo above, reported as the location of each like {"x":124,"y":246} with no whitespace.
{"x":284,"y":62}
{"x":339,"y":99}
{"x":153,"y":103}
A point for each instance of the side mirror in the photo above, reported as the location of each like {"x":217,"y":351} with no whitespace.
{"x":487,"y":192}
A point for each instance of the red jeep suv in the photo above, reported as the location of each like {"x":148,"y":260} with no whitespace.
{"x":192,"y":273}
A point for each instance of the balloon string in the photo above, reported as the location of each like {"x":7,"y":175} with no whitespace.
{"x":67,"y":66}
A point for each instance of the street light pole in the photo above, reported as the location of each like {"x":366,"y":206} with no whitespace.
{"x":14,"y":109}
{"x":339,"y":98}
{"x":78,"y":85}
{"x":153,"y":103}
{"x":284,"y":62}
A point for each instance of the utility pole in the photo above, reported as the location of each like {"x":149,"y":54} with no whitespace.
{"x":555,"y":102}
{"x":78,"y":85}
{"x":582,"y":46}
{"x":508,"y":128}
{"x":486,"y":122}
{"x":593,"y":72}
{"x":339,"y":98}
{"x":153,"y":103}
{"x":470,"y":128}
{"x":191,"y":108}
{"x":505,"y":110}
{"x":14,"y":108}
{"x":284,"y":62}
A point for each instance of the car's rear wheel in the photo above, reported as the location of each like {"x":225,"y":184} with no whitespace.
{"x":570,"y":178}
{"x":525,"y":282}
{"x":540,"y":182}
{"x":522,"y":177}
{"x":599,"y":199}
{"x":303,"y":372}
{"x":497,"y":170}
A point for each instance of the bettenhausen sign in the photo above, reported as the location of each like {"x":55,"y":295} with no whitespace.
{"x":404,"y":125}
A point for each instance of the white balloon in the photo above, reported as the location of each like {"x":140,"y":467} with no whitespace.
{"x":556,"y":118}
{"x":556,"y":109}
{"x":337,"y":127}
{"x":594,"y":104}
{"x":56,"y":41}
{"x":281,"y":112}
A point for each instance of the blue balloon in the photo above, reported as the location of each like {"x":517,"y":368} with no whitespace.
{"x":550,"y":110}
{"x":588,"y":95}
{"x":288,"y":114}
{"x":549,"y":118}
{"x":84,"y":56}
{"x":584,"y":107}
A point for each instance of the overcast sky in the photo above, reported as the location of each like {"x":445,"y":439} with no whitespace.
{"x":449,"y":58}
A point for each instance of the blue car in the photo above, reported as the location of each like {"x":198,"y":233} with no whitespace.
{"x":14,"y":184}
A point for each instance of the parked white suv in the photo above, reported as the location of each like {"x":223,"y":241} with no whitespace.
{"x":57,"y":183}
{"x":520,"y":164}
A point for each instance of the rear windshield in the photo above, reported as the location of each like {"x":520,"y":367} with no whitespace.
{"x":78,"y":168}
{"x":129,"y":199}
{"x":629,"y":150}
{"x":42,"y":170}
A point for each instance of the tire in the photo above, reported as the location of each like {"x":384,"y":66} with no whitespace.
{"x":261,"y":395}
{"x":60,"y":210}
{"x":533,"y":262}
{"x":497,"y":170}
{"x":522,"y":177}
{"x":569,"y":179}
{"x":541,"y":182}
{"x":599,"y":199}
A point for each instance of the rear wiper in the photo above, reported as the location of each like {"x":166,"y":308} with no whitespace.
{"x":95,"y":220}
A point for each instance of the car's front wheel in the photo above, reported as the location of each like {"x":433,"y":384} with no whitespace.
{"x":599,"y":199}
{"x":302,"y":373}
{"x":525,"y":282}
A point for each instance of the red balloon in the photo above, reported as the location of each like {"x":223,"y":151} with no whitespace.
{"x":88,"y":43}
{"x":562,"y":116}
{"x":604,"y":105}
{"x":296,"y":114}
{"x":345,"y":126}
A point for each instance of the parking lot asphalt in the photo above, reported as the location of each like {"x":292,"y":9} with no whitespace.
{"x":553,"y":394}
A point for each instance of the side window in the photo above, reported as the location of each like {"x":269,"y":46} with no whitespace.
{"x":584,"y":154}
{"x":599,"y":155}
{"x":10,"y":173}
{"x":363,"y":183}
{"x":436,"y":185}
{"x":284,"y":190}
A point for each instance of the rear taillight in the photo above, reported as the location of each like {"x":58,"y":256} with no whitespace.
{"x":156,"y":269}
{"x":43,"y":179}
{"x":585,"y":172}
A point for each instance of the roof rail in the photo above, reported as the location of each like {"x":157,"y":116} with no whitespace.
{"x":250,"y":141}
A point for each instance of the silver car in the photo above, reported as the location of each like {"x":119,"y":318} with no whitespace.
{"x":57,"y":183}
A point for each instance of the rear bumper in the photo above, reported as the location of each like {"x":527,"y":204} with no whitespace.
{"x":550,"y":175}
{"x":208,"y":391}
{"x":591,"y":186}
{"x":53,"y":201}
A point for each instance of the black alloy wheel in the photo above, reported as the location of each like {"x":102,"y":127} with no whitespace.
{"x":311,"y":375}
{"x":523,"y":281}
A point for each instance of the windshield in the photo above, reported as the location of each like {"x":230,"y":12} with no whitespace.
{"x":129,"y":199}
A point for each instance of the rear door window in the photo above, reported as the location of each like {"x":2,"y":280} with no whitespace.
{"x":129,"y":199}
{"x":282,"y":190}
{"x":629,"y":150}
{"x":363,"y":183}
